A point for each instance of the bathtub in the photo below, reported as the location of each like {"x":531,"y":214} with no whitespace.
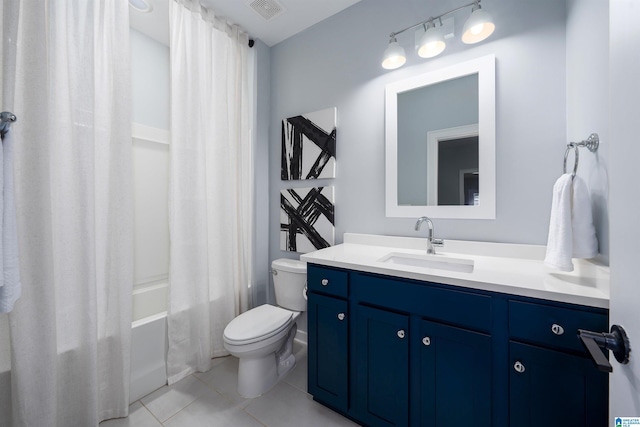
{"x":148,"y":340}
{"x":148,"y":347}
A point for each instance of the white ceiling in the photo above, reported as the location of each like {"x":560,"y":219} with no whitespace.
{"x":155,"y":24}
{"x":297,"y":16}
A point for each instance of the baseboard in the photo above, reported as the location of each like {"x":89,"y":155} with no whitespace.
{"x":301,"y":337}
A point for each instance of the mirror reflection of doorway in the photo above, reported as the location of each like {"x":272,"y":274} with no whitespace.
{"x":449,"y":152}
{"x":458,"y":174}
{"x":469,"y":187}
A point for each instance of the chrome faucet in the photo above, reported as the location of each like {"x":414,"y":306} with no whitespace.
{"x":431,"y":241}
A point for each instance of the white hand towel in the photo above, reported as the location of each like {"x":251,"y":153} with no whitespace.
{"x":11,"y":289}
{"x":571,"y":230}
{"x":560,"y":241}
{"x":585,"y":242}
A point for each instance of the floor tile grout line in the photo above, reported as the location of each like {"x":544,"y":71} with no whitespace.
{"x":189,"y":404}
{"x":252,"y":416}
{"x":176,"y":414}
{"x":149,"y":411}
{"x":194,"y":401}
{"x":223,"y":395}
{"x":228,"y":399}
{"x":242,"y":406}
{"x":296,"y":387}
{"x":242,"y":409}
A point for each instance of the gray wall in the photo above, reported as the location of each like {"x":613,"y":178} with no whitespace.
{"x":262,"y":291}
{"x":588,"y":101}
{"x":337,"y":63}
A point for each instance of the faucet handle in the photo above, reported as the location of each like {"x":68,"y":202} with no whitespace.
{"x":437,"y":242}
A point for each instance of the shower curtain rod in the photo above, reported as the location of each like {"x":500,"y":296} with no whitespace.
{"x":6,"y":118}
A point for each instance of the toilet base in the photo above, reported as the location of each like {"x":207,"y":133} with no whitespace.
{"x":256,"y":376}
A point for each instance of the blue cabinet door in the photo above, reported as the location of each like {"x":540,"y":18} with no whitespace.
{"x":328,"y":350}
{"x":550,"y":388}
{"x":455,"y":376}
{"x":382,"y":367}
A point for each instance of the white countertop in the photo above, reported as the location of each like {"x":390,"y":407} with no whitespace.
{"x":506,"y":268}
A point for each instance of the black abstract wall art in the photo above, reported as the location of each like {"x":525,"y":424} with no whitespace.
{"x":306,"y":219}
{"x":309,"y":146}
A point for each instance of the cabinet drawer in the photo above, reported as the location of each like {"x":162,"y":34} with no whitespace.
{"x":327,"y":280}
{"x":555,"y":327}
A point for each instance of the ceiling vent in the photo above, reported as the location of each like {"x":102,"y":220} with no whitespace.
{"x":268,"y":9}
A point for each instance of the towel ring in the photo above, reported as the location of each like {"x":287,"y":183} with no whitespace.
{"x":591,"y":143}
{"x":570,"y":146}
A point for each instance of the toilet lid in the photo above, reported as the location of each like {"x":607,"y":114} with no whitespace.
{"x":257,"y":324}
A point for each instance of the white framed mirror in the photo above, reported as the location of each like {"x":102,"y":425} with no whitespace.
{"x":440,"y":143}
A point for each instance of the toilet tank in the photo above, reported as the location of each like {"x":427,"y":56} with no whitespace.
{"x":289,"y":282}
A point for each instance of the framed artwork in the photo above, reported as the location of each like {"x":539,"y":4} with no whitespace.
{"x":306,"y":219}
{"x":309,"y":146}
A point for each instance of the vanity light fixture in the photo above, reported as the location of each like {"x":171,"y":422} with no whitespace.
{"x":478,"y":27}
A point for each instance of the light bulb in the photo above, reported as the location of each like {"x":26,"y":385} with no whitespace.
{"x":478,"y":27}
{"x":431,"y":43}
{"x":394,"y":56}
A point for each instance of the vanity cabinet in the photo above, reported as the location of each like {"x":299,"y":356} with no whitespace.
{"x":414,"y":353}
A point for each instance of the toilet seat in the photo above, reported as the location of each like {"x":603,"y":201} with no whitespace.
{"x":257,"y":324}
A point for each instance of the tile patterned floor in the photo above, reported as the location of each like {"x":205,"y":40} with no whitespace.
{"x":211,"y":399}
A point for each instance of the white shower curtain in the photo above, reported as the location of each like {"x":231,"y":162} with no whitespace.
{"x":66,"y":77}
{"x":210,"y":208}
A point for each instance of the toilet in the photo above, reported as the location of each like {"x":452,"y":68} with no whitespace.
{"x":262,"y":338}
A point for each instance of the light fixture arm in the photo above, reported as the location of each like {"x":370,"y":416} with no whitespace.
{"x":475,"y":3}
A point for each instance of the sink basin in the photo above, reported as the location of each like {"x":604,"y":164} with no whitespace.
{"x":429,"y":261}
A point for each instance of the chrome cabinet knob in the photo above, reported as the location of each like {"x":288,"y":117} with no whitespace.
{"x":557,"y":329}
{"x":401,"y":333}
{"x":341,"y":316}
{"x":325,"y":282}
{"x":519,"y":367}
{"x":426,"y":341}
